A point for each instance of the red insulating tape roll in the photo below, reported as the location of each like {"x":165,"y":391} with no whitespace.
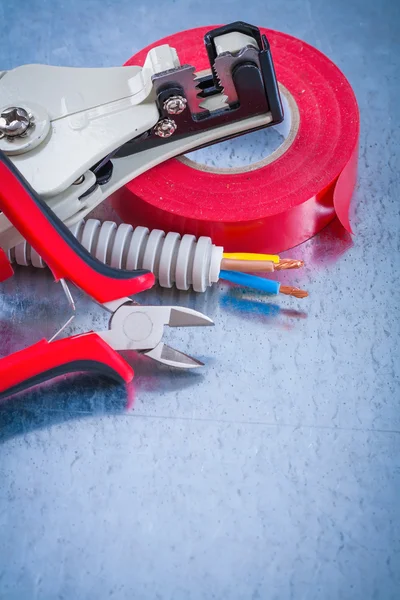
{"x":280,"y":204}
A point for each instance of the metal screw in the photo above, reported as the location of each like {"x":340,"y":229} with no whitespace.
{"x":165,"y":128}
{"x":14,"y":122}
{"x":175,"y":105}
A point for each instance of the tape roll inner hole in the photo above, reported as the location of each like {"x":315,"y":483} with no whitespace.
{"x":252,"y":150}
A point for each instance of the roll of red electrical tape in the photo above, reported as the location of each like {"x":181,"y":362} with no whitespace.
{"x":275,"y":204}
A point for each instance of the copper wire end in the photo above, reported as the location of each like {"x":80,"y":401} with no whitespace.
{"x":293,"y":291}
{"x":289,"y":263}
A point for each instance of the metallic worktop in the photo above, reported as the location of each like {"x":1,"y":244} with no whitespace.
{"x":272,"y":473}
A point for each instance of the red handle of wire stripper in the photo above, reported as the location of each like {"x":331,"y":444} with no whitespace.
{"x":45,"y":360}
{"x":58,"y":247}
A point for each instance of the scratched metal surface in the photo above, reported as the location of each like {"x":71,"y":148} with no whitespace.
{"x":274,"y":472}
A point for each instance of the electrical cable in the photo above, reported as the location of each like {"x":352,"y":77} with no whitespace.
{"x":181,"y":261}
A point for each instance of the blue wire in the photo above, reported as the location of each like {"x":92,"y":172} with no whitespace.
{"x":251,"y":281}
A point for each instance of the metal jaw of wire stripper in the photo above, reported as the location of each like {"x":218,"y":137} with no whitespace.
{"x":77,"y":135}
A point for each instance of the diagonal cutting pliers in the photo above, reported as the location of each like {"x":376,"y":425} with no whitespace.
{"x":132,"y":326}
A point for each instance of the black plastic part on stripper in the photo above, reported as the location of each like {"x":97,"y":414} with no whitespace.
{"x":237,"y":27}
{"x":266,"y":62}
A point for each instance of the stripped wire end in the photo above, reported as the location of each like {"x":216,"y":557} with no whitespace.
{"x":293,"y":291}
{"x":289,"y":263}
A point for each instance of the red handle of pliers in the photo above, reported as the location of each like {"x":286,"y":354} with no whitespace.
{"x":58,"y":247}
{"x":45,"y":360}
{"x":6,"y":269}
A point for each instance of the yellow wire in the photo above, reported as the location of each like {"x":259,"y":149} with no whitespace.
{"x":249,"y":256}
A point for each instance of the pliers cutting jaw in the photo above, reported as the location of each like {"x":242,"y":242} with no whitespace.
{"x":141,"y":328}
